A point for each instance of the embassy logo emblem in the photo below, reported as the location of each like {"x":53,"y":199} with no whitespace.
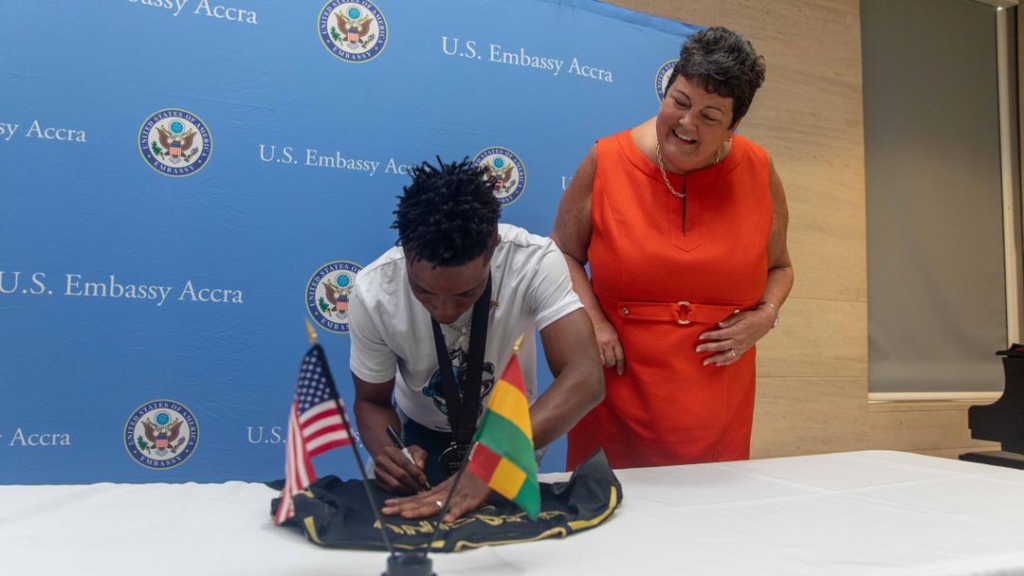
{"x":161,"y":434}
{"x":661,"y":79}
{"x":327,"y":294}
{"x":353,"y":30}
{"x":508,"y":171}
{"x":175,"y":142}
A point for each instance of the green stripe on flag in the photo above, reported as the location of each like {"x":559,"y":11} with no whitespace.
{"x":529,"y":497}
{"x":508,"y":441}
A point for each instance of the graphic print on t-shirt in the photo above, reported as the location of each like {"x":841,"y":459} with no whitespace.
{"x":460,"y":360}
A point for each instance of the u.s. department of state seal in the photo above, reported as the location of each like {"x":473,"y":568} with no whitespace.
{"x":508,"y":171}
{"x":161,"y":434}
{"x":327,"y":294}
{"x":661,"y":79}
{"x":353,"y":30}
{"x":175,"y":142}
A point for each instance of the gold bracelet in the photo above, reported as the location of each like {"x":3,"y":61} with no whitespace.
{"x":774,"y":309}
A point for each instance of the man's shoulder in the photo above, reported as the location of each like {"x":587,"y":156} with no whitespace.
{"x":525,"y":257}
{"x":515,"y":238}
{"x":383,"y":274}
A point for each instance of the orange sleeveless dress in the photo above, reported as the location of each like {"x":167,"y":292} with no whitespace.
{"x":662,"y":288}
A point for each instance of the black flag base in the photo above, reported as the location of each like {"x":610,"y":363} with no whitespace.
{"x":409,"y":564}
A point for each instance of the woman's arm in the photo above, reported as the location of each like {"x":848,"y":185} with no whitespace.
{"x":573,"y":227}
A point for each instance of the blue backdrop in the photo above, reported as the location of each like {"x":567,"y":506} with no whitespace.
{"x":182,"y":182}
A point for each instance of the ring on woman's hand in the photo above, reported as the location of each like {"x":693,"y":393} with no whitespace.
{"x":734,"y":354}
{"x":440,"y":505}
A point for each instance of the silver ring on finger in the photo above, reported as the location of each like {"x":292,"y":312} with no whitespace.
{"x":734,"y":354}
{"x":440,"y":505}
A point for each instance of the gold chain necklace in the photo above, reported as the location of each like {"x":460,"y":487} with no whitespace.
{"x":462,"y":331}
{"x":664,"y":175}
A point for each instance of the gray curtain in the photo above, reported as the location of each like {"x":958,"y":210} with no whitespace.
{"x":936,"y":287}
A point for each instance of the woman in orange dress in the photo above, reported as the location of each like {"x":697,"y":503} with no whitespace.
{"x":684,"y":224}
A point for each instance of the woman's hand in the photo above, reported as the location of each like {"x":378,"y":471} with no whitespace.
{"x":609,"y":346}
{"x":736,"y":335}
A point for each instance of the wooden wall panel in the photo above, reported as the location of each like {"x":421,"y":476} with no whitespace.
{"x":795,"y":416}
{"x":835,"y":257}
{"x":820,"y":339}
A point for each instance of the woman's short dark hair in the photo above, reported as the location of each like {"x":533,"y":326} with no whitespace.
{"x":723,"y":63}
{"x":448,"y":215}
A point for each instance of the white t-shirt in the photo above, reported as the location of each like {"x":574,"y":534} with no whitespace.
{"x":391,"y":330}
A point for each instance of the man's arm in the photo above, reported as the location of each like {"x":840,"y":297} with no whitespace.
{"x":374,"y":359}
{"x":579,"y":381}
{"x":374,"y":413}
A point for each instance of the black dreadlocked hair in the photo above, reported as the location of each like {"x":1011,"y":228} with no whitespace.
{"x":448,"y":215}
{"x":722,"y":63}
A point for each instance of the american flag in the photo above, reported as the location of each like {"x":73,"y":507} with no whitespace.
{"x":314,"y":427}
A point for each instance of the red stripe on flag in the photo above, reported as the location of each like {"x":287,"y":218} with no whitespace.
{"x":514,"y":374}
{"x":304,"y":474}
{"x":329,"y":446}
{"x":325,"y":430}
{"x":327,"y":406}
{"x":322,"y":417}
{"x":483,"y":463}
{"x":294,"y":467}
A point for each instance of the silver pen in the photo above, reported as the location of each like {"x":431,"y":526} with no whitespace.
{"x":397,"y":440}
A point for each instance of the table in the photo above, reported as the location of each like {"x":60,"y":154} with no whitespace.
{"x":873,"y":512}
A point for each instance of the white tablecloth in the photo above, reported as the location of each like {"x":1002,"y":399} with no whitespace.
{"x":836,"y":514}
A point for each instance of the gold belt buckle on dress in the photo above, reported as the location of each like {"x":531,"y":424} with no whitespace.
{"x":680,"y":318}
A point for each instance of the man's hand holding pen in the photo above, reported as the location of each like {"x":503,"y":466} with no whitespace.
{"x":399,"y":468}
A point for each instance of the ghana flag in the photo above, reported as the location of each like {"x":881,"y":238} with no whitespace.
{"x":503,"y":456}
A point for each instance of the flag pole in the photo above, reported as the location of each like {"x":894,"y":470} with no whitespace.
{"x":515,"y":347}
{"x":355,"y":450}
{"x":312,"y":333}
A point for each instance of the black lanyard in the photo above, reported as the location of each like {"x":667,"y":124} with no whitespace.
{"x":464,"y":407}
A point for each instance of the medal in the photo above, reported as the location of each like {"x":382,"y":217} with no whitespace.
{"x":451,"y":459}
